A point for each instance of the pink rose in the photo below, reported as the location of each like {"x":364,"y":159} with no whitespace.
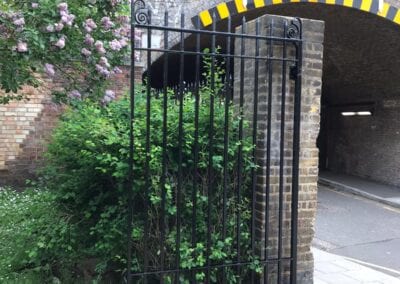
{"x":107,"y":23}
{"x":22,"y":46}
{"x":60,"y":43}
{"x":62,"y":6}
{"x":123,"y":42}
{"x":123,"y":20}
{"x":109,"y":96}
{"x":50,"y":28}
{"x":103,"y":71}
{"x":59,"y":27}
{"x":100,"y":47}
{"x":89,"y":25}
{"x":74,"y":94}
{"x":115,"y":45}
{"x":49,"y":69}
{"x":104,"y":62}
{"x":116,"y":70}
{"x":86,"y":52}
{"x":19,"y":22}
{"x":89,"y":40}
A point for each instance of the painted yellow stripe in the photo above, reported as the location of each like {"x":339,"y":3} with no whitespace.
{"x":205,"y":18}
{"x":259,"y":3}
{"x":366,"y":5}
{"x":240,"y":7}
{"x":397,"y":18}
{"x":223,"y":10}
{"x":385,"y":10}
{"x":348,"y":3}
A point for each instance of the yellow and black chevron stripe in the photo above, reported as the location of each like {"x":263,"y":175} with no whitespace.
{"x":235,"y":7}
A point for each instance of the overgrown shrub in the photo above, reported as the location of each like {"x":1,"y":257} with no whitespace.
{"x":82,"y":219}
{"x":35,"y":237}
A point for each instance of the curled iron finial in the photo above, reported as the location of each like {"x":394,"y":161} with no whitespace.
{"x":293,"y":30}
{"x":141,"y":13}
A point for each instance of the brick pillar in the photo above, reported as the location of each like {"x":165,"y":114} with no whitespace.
{"x":313,"y":34}
{"x":308,"y":173}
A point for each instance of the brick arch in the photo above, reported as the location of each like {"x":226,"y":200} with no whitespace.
{"x":236,"y":7}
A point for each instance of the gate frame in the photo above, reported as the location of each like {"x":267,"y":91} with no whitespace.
{"x":141,"y":18}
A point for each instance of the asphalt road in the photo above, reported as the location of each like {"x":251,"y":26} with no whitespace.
{"x":358,"y":228}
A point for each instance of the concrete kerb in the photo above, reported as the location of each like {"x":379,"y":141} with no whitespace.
{"x":352,"y":190}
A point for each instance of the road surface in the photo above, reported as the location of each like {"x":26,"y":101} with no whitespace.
{"x":358,"y":228}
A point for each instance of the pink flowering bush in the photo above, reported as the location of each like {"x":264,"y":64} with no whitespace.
{"x":81,"y":42}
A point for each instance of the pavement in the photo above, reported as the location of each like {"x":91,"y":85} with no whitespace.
{"x":334,"y":269}
{"x":382,"y":193}
{"x":363,"y":248}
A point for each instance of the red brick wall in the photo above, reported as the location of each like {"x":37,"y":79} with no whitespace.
{"x":26,"y":126}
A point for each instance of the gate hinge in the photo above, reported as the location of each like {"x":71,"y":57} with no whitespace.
{"x":293,"y":72}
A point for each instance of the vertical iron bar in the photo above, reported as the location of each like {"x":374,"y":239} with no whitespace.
{"x":226,"y":134}
{"x":226,"y":128}
{"x":180,"y":145}
{"x":147,"y":162}
{"x":240,"y":150}
{"x":164,"y":151}
{"x":131,"y":137}
{"x":253,"y":170}
{"x":296,"y":155}
{"x":282,"y":157}
{"x":268,"y":152}
{"x":196,"y":144}
{"x":210,"y":149}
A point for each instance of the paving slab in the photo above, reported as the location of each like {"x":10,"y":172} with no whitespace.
{"x":334,"y":269}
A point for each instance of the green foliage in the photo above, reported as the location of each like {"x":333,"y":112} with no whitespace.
{"x":87,"y":169}
{"x":34,"y":236}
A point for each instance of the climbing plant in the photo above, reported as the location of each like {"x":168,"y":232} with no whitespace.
{"x":79,"y":42}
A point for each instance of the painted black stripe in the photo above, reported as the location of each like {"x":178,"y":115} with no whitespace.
{"x":391,"y":13}
{"x":374,"y":7}
{"x":357,"y":4}
{"x":251,"y":4}
{"x":232,"y":8}
{"x":214,"y":11}
{"x":196,"y":20}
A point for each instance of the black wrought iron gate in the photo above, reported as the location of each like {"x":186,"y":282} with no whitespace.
{"x":213,"y":181}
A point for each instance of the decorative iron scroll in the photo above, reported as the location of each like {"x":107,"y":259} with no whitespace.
{"x":294,"y":28}
{"x":141,"y":13}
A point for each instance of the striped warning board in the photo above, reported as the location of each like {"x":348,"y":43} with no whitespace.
{"x":235,"y":7}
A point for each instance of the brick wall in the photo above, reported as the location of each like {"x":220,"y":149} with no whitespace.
{"x":368,"y":146}
{"x":26,"y":126}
